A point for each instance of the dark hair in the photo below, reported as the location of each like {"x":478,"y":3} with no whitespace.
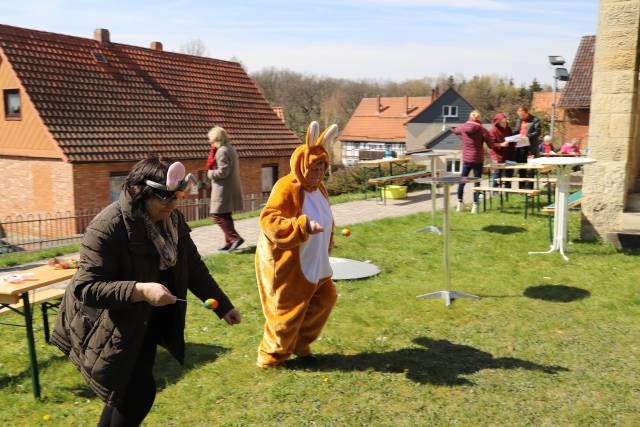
{"x":524,"y":108}
{"x":153,"y":168}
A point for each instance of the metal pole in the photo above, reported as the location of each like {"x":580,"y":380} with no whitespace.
{"x":445,"y":232}
{"x":33,"y":360}
{"x":553,"y":109}
{"x":433,"y":192}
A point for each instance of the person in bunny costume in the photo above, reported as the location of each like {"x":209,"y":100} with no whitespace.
{"x":292,"y":255}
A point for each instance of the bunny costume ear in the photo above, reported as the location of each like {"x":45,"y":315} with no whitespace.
{"x":328,"y":136}
{"x":314,"y":150}
{"x":175,"y":175}
{"x":312,"y":134}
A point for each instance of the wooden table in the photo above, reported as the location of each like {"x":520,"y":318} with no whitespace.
{"x":536,"y":167}
{"x":11,"y":293}
{"x":379,"y":163}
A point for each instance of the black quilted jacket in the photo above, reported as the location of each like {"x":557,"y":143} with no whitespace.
{"x":98,"y":327}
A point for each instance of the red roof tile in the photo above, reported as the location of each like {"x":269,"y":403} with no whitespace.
{"x":577,"y":92}
{"x":369,"y":124}
{"x":140,"y":100}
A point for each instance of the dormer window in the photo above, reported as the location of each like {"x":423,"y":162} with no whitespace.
{"x":12,"y":104}
{"x":450,"y":111}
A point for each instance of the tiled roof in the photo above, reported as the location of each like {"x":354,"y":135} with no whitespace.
{"x":577,"y":92}
{"x":367,"y":124}
{"x":140,"y":100}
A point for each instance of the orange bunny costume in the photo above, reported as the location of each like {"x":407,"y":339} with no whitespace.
{"x":292,"y":265}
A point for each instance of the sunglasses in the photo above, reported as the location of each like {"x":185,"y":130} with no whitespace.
{"x":167,"y":197}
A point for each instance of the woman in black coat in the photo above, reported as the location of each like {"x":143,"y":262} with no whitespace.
{"x":136,"y":259}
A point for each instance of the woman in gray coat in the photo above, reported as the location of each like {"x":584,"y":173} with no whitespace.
{"x":137,"y":261}
{"x":226,"y":193}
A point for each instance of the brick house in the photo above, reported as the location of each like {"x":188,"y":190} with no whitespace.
{"x":405,"y":125}
{"x":376,"y":125}
{"x":77,"y":113}
{"x":575,"y":100}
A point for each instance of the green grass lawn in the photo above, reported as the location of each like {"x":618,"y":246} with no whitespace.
{"x":549,"y":343}
{"x":17,"y":258}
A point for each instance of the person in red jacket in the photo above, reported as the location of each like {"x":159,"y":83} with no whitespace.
{"x":501,"y":150}
{"x":473,"y":135}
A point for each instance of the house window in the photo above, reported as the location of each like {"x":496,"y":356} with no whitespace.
{"x":12,"y":106}
{"x":453,"y":166}
{"x":116,"y":181}
{"x":269,"y":177}
{"x":450,"y":111}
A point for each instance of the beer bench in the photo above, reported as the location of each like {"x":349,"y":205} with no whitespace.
{"x":527,"y":193}
{"x":47,"y":298}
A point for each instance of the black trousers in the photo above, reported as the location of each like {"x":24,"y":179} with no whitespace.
{"x":522,"y":154}
{"x":477,"y":171}
{"x":140,"y":394}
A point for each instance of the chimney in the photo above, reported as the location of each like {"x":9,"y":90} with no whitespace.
{"x":406,"y":105}
{"x":101,"y":35}
{"x":435,"y":93}
{"x":156,"y":46}
{"x":378,"y":105}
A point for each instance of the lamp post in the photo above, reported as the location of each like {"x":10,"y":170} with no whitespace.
{"x":559,"y":73}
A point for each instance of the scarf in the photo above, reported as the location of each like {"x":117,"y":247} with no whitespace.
{"x":165,"y":239}
{"x":211,"y":160}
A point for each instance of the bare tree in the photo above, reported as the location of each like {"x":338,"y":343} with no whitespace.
{"x":194,"y":47}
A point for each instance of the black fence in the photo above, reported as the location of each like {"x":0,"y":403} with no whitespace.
{"x":30,"y":232}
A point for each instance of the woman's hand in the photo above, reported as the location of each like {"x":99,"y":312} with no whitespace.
{"x":232,"y":317}
{"x":155,"y":294}
{"x":314,"y":227}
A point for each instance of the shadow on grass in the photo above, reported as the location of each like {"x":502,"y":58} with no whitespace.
{"x":556,"y":293}
{"x":503,"y":229}
{"x":168,"y":371}
{"x":26,"y":374}
{"x":440,"y":362}
{"x":245,"y":250}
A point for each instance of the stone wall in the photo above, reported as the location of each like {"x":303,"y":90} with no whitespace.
{"x":613,"y":124}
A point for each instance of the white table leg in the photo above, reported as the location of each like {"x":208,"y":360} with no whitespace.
{"x":560,"y":217}
{"x":432,"y":228}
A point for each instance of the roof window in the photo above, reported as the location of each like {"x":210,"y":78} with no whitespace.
{"x":99,"y":57}
{"x":12,"y":104}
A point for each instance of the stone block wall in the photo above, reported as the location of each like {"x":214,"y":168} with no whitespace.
{"x":614,"y":119}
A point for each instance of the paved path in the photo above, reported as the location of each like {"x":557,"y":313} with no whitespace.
{"x":209,"y":238}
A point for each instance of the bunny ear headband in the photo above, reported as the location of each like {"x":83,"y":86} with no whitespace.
{"x":176,"y":179}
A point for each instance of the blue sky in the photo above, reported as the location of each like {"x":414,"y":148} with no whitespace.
{"x":379,"y":39}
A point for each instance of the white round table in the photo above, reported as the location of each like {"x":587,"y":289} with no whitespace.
{"x":563,"y":166}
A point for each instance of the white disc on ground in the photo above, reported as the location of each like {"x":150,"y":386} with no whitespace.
{"x":349,"y":269}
